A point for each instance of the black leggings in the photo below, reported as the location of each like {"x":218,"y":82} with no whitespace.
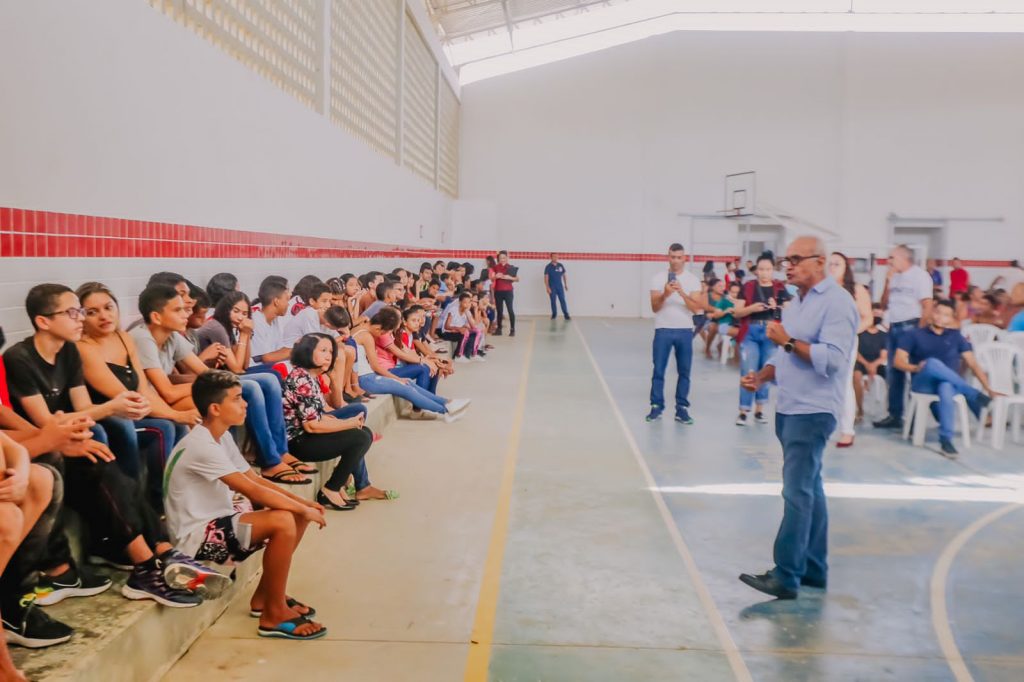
{"x":505,"y":297}
{"x":111,"y":504}
{"x":351,"y":445}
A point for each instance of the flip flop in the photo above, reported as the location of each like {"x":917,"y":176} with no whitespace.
{"x":286,"y":630}
{"x":280,"y":477}
{"x":309,"y":469}
{"x":292,"y":603}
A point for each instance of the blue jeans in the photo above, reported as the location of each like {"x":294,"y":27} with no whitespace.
{"x":419,"y":373}
{"x":143,"y":452}
{"x":264,"y":417}
{"x":360,"y":475}
{"x":801,"y":546}
{"x":419,"y":397}
{"x":665,"y":341}
{"x":557,"y":294}
{"x":895,"y":378}
{"x":938,"y":379}
{"x":755,"y":351}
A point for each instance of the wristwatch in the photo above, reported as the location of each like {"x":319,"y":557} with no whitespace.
{"x":789,"y":346}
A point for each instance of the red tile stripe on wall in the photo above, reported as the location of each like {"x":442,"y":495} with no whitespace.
{"x":27,"y":233}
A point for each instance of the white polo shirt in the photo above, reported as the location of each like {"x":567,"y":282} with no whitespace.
{"x":674,"y":314}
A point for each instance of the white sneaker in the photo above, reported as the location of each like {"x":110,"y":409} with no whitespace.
{"x":478,"y":358}
{"x":742,"y":419}
{"x":451,"y":418}
{"x":458,"y":405}
{"x":463,"y":360}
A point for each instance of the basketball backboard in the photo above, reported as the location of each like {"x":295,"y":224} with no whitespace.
{"x":740,"y":190}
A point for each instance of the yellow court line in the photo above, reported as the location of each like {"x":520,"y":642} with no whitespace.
{"x":729,"y":648}
{"x":940,"y":614}
{"x":479,"y":657}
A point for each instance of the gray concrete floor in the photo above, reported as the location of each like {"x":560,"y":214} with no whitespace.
{"x":594,"y":580}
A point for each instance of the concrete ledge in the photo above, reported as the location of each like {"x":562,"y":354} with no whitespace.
{"x":118,"y":640}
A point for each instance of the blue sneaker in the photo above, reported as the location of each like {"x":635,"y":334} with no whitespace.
{"x":683,"y":416}
{"x":655,"y":413}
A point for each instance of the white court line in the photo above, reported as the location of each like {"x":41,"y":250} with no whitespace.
{"x":732,"y":652}
{"x":940,"y":614}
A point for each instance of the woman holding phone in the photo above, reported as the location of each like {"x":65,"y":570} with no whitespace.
{"x":504,"y":276}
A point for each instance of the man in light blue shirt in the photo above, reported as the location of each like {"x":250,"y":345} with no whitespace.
{"x":817,"y":334}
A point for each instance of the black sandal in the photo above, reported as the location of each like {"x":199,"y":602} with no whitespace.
{"x":279,"y":477}
{"x":308,"y":471}
{"x":326,"y":502}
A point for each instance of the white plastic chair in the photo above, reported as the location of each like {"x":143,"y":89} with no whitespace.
{"x":1014,"y":338}
{"x":726,"y":347}
{"x":978,"y":334}
{"x":1004,"y":365}
{"x":919,"y":414}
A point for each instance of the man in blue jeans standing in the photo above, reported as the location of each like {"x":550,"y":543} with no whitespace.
{"x":556,"y":284}
{"x":932,"y":356}
{"x":675,"y":297}
{"x":817,"y":334}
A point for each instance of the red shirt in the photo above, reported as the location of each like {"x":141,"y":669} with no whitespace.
{"x":958,"y":281}
{"x":501,"y":284}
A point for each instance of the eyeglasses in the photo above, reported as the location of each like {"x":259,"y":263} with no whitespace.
{"x":72,"y":313}
{"x":793,"y":261}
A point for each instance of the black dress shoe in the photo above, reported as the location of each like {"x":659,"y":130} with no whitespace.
{"x":889,"y":423}
{"x":811,"y":582}
{"x":767,"y":583}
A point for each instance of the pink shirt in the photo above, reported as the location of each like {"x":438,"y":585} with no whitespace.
{"x":386,"y":359}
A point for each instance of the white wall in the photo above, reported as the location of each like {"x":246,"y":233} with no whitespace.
{"x":111,"y":108}
{"x":601,"y":152}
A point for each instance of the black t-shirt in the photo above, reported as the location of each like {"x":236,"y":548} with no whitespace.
{"x":870,"y":346}
{"x":28,"y":374}
{"x":763,"y":294}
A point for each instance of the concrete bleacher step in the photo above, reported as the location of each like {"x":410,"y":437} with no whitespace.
{"x":119,"y":640}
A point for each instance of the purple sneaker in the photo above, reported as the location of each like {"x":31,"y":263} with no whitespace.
{"x":149,"y":583}
{"x":182,"y":572}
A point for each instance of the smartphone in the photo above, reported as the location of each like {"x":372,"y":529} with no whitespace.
{"x":671,"y":276}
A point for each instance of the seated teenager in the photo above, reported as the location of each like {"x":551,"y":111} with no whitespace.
{"x":111,"y":366}
{"x":369,"y":283}
{"x":230,"y":327}
{"x":219,"y":285}
{"x":871,"y":357}
{"x":268,"y":347}
{"x":479,"y":321}
{"x":44,"y":375}
{"x":315,"y":435}
{"x":376,"y":378}
{"x":413,"y":322}
{"x":456,"y":327}
{"x":722,"y":317}
{"x":212,"y":355}
{"x":161,"y":349}
{"x":30,"y":499}
{"x":205,"y":521}
{"x":333,"y":387}
{"x":403,"y":362}
{"x":932,"y":355}
{"x":353,"y":292}
{"x":387,"y":294}
{"x":339,"y":322}
{"x":316,"y":300}
{"x":301,"y":294}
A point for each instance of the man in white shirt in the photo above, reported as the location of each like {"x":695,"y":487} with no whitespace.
{"x":908,"y":298}
{"x":268,"y":346}
{"x":200,"y":480}
{"x":310,"y":319}
{"x":675,"y":297}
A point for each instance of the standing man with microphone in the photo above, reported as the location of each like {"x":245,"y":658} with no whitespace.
{"x":556,"y":283}
{"x":815,"y":338}
{"x":675,"y":298}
